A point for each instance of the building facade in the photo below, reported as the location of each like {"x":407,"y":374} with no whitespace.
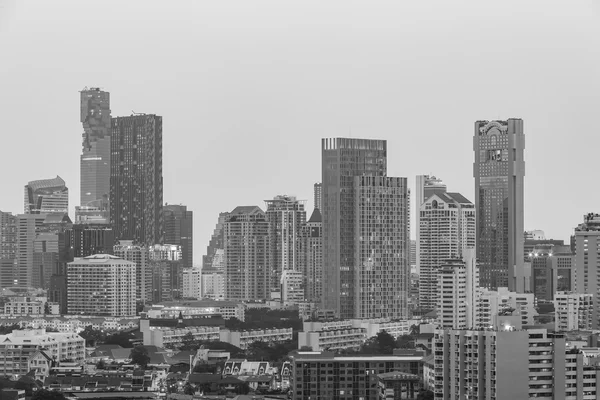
{"x":27,"y":227}
{"x":46,"y":196}
{"x":102,"y":285}
{"x":587,"y":261}
{"x":167,"y":272}
{"x":446,"y":230}
{"x":573,"y":311}
{"x":452,"y":295}
{"x":318,"y":195}
{"x":213,"y":283}
{"x":426,"y":186}
{"x":344,"y":159}
{"x":96,"y":149}
{"x":179,"y":229}
{"x":499,"y":172}
{"x":552,"y":270}
{"x":217,"y":241}
{"x":140,"y":255}
{"x":247,"y":275}
{"x":136,"y":181}
{"x":313,"y":276}
{"x":8,"y":249}
{"x":192,"y":283}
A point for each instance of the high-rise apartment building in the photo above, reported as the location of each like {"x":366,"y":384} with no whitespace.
{"x":246,"y":258}
{"x":313,"y":277}
{"x":318,"y":195}
{"x":286,"y":217}
{"x":213,"y":283}
{"x":217,"y":241}
{"x":102,"y":285}
{"x":140,"y":256}
{"x":8,"y":249}
{"x":96,"y":150}
{"x":192,"y":283}
{"x":292,"y":287}
{"x":382,"y":247}
{"x":49,"y":248}
{"x":179,"y":230}
{"x":499,"y":172}
{"x":46,"y":196}
{"x":167,"y":272}
{"x":573,"y":311}
{"x":27,"y":226}
{"x":446,"y":230}
{"x":344,"y":159}
{"x":425,"y":187}
{"x":136,"y":181}
{"x":587,"y":261}
{"x":494,"y":303}
{"x":452,"y":295}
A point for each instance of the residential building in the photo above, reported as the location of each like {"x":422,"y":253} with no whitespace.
{"x":136,"y":181}
{"x":499,"y":171}
{"x":46,"y":196}
{"x":192,"y":283}
{"x":27,"y":226}
{"x":491,"y":303}
{"x":18,"y":351}
{"x":140,"y":255}
{"x":573,"y":311}
{"x":8,"y":249}
{"x":217,"y":240}
{"x":342,"y":160}
{"x":246,"y":237}
{"x":381,"y":284}
{"x":243,"y":339}
{"x":452,"y":295}
{"x":213,"y":283}
{"x":324,"y":375}
{"x":96,"y":150}
{"x":446,"y":231}
{"x":179,"y":230}
{"x":426,"y":186}
{"x":191,"y":308}
{"x":587,"y":261}
{"x":102,"y":285}
{"x":397,"y":385}
{"x":552,"y":270}
{"x":511,"y":364}
{"x":292,"y":287}
{"x":313,"y":276}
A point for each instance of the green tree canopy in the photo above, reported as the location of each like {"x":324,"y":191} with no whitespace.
{"x":139,"y":355}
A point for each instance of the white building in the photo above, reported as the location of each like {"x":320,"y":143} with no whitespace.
{"x":494,"y":302}
{"x":446,"y":231}
{"x":243,"y":339}
{"x":191,"y":308}
{"x":292,"y":288}
{"x":21,"y":306}
{"x":573,"y":311}
{"x":192,"y":283}
{"x":213,"y":284}
{"x":452,"y":295}
{"x":102,"y":285}
{"x":140,"y":255}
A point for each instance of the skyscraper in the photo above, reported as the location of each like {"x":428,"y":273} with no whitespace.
{"x":179,"y":230}
{"x":286,"y":218}
{"x":27,"y":225}
{"x":343,"y":160}
{"x":167,"y":272}
{"x":446,"y":229}
{"x":48,"y":246}
{"x":499,"y":171}
{"x":246,"y":234}
{"x":136,"y":181}
{"x":8,"y":249}
{"x":318,"y":195}
{"x":217,"y":241}
{"x":382,"y":247}
{"x":140,"y":255}
{"x":313,"y":277}
{"x":46,"y":196}
{"x":587,"y":261}
{"x":96,"y":149}
{"x":425,"y":187}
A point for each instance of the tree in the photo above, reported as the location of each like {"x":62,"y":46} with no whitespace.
{"x":425,"y":395}
{"x":122,"y":339}
{"x":139,"y":355}
{"x":5,"y":330}
{"x":189,"y":389}
{"x":415,"y":330}
{"x":188,"y":342}
{"x":44,"y":394}
{"x":92,"y":336}
{"x":100,"y":364}
{"x":46,"y":308}
{"x":405,"y":342}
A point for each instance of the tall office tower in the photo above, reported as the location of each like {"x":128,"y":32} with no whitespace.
{"x":499,"y":171}
{"x":246,"y":259}
{"x":425,"y":187}
{"x":446,"y":229}
{"x":286,"y":218}
{"x":27,"y":226}
{"x":382,"y":247}
{"x":167,"y":272}
{"x":217,"y":241}
{"x":136,"y":181}
{"x":552,"y":270}
{"x":48,"y":245}
{"x":452,"y":295}
{"x":86,"y":240}
{"x":342,"y":160}
{"x":101,"y":285}
{"x":140,"y":255}
{"x":313,"y":277}
{"x":179,"y":230}
{"x":46,"y":196}
{"x":318,"y":195}
{"x":587,"y":261}
{"x":96,"y":150}
{"x":8,"y":249}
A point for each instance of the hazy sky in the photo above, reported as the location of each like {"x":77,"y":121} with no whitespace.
{"x":248,"y":88}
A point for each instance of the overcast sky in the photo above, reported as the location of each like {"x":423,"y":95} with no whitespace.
{"x":248,"y":88}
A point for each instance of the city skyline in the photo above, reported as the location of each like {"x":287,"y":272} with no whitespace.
{"x":341,"y":109}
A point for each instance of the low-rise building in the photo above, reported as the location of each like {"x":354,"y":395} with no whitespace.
{"x":243,"y":339}
{"x":192,"y":308}
{"x":22,"y":306}
{"x":324,"y":376}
